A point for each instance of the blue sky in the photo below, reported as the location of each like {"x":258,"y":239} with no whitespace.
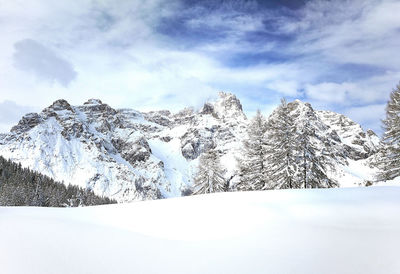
{"x":158,"y":54}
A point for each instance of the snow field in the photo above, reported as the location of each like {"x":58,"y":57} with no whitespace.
{"x":349,"y":230}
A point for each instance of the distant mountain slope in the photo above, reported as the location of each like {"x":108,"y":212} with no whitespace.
{"x":129,"y":155}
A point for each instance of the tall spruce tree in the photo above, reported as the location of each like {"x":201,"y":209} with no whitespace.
{"x":252,"y":164}
{"x":297,"y":155}
{"x":314,"y":157}
{"x":210,"y":174}
{"x":389,"y":160}
{"x":281,"y":147}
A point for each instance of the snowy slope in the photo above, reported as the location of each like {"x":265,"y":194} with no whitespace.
{"x":351,"y":230}
{"x":129,"y":155}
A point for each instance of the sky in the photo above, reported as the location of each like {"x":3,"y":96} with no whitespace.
{"x":168,"y":54}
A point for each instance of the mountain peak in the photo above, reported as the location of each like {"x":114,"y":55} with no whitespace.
{"x":298,"y":103}
{"x":27,"y":122}
{"x":228,"y":105}
{"x":229,"y":100}
{"x":96,"y":105}
{"x":93,"y":102}
{"x":60,"y":104}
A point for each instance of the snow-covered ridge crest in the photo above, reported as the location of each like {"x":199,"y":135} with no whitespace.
{"x":129,"y":155}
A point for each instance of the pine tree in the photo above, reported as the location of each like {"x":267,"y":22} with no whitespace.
{"x":296,"y":156}
{"x":210,"y":175}
{"x":281,"y":147}
{"x":389,"y":162}
{"x":314,"y":158}
{"x":252,"y":165}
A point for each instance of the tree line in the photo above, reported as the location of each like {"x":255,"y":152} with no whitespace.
{"x":23,"y":187}
{"x":282,"y":153}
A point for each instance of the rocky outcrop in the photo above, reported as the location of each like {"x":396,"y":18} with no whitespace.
{"x":161,"y":117}
{"x":358,"y":143}
{"x":195,"y":142}
{"x":27,"y":122}
{"x":59,"y":105}
{"x":133,"y":151}
{"x":207,"y":109}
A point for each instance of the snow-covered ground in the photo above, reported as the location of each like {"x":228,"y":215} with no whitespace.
{"x":348,"y":230}
{"x":356,"y":173}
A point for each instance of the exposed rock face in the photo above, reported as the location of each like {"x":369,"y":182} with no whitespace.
{"x":194,"y":143}
{"x":129,"y":155}
{"x":359,"y":144}
{"x":207,"y":109}
{"x":27,"y":122}
{"x":159,"y":117}
{"x":134,"y":151}
{"x":59,"y":105}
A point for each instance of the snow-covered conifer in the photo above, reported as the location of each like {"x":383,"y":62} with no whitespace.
{"x":210,"y":174}
{"x":313,"y":158}
{"x":281,"y":148}
{"x":252,"y":165}
{"x":389,"y":160}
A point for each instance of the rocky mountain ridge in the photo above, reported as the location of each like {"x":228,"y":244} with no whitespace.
{"x":129,"y":155}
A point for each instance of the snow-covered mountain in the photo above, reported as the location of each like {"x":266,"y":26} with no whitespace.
{"x":130,"y":155}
